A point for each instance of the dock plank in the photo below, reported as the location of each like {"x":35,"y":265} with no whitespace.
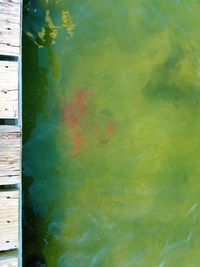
{"x":9,"y":224}
{"x":9,"y":71}
{"x":9,"y":262}
{"x":10,"y":155}
{"x":10,"y":36}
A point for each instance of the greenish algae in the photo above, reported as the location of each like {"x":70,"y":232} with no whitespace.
{"x":111,"y":133}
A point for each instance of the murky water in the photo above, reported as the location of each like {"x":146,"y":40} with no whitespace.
{"x":111,"y":133}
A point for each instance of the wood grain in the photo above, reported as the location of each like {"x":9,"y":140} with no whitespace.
{"x":8,"y":262}
{"x":10,"y":155}
{"x":9,"y":216}
{"x":8,"y":90}
{"x":10,"y":35}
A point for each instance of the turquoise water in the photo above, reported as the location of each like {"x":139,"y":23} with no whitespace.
{"x":111,"y":133}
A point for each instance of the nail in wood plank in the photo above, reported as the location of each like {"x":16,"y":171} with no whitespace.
{"x":10,"y":27}
{"x":8,"y":90}
{"x":9,"y":215}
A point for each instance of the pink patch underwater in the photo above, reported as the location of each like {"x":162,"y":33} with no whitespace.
{"x":82,"y":121}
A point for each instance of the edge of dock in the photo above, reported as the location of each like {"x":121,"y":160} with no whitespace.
{"x":10,"y":133}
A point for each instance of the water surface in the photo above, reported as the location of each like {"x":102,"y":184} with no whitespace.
{"x":111,"y":133}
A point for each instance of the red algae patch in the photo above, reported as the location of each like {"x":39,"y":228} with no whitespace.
{"x":77,"y":141}
{"x":74,"y":114}
{"x":76,"y":109}
{"x":111,"y":128}
{"x":81,"y":99}
{"x":71,"y":116}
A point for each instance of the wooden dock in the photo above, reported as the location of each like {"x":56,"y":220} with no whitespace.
{"x":10,"y":133}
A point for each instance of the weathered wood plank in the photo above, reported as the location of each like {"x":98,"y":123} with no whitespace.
{"x":9,"y":216}
{"x":10,"y":155}
{"x":8,"y":262}
{"x":10,"y":27}
{"x":9,"y":89}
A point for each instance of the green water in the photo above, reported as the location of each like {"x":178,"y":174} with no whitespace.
{"x":111,"y":104}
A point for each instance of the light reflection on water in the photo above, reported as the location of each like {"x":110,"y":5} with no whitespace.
{"x":111,"y":133}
